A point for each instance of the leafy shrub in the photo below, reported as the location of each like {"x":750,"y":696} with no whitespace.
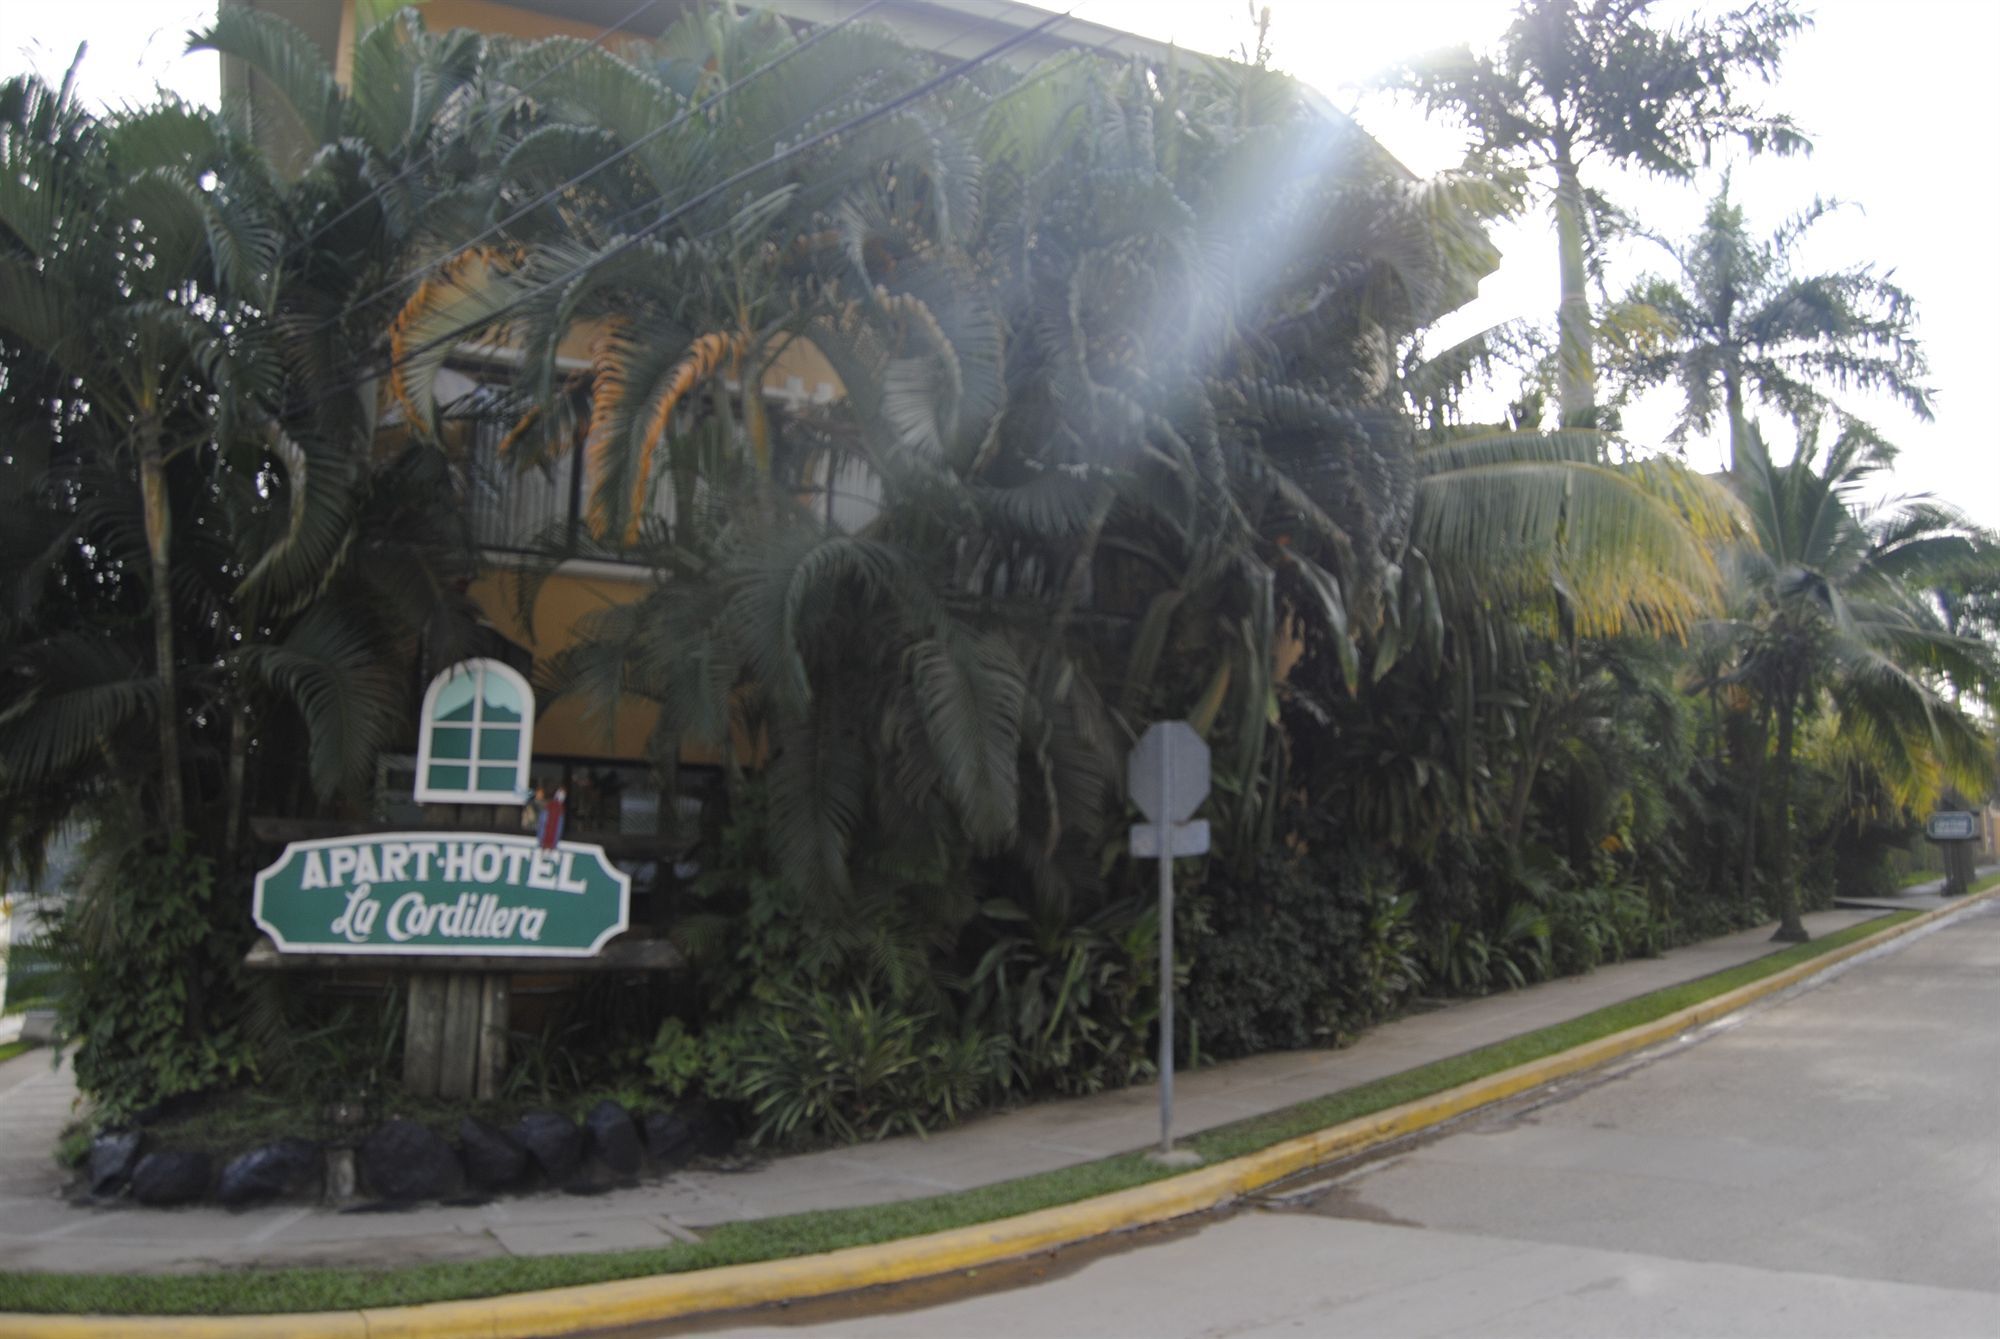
{"x":677,"y":1059}
{"x":1520,"y":948}
{"x":1300,"y":953}
{"x":1457,"y":958}
{"x":147,"y":994}
{"x":1079,"y":1000}
{"x":851,"y":1067}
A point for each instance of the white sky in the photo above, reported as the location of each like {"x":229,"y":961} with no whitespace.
{"x":1897,"y":95}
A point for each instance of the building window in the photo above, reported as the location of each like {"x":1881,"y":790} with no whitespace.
{"x":478,"y":730}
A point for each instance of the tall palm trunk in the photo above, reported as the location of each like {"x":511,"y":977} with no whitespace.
{"x":1791,"y":928}
{"x":232,"y":803}
{"x":1576,"y":373}
{"x":1739,"y":426}
{"x":1746,"y":882}
{"x":159,"y":519}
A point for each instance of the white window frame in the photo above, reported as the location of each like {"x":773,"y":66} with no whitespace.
{"x":425,"y":794}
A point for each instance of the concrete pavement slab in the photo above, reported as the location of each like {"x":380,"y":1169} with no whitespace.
{"x":605,"y":1234}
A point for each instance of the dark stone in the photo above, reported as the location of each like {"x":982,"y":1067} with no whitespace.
{"x":714,"y":1129}
{"x":554,"y":1142}
{"x":493,"y":1158}
{"x":669,"y":1139}
{"x":695,"y":1130}
{"x":170,"y":1176}
{"x":614,"y":1140}
{"x":288,"y":1167}
{"x":113,"y":1155}
{"x":402,"y":1160}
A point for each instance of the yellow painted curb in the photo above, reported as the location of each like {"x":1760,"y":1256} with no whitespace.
{"x":665,"y":1297}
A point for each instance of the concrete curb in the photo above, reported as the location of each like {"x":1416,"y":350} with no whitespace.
{"x":666,"y":1297}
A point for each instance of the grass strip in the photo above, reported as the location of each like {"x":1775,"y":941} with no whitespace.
{"x":14,"y":1048}
{"x":291,"y":1290}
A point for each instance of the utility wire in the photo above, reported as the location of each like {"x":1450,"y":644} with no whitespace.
{"x":430,"y":155}
{"x":670,"y":215}
{"x":556,"y":192}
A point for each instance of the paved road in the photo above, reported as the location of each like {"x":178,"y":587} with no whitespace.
{"x":1828,"y":1164}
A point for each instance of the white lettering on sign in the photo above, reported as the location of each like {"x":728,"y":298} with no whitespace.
{"x":357,"y":922}
{"x":469,"y":916}
{"x":417,"y":894}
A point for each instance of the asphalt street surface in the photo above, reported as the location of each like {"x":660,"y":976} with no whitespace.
{"x":1827,"y":1163}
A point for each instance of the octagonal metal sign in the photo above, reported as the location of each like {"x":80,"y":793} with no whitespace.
{"x":1167,"y":772}
{"x":435,"y":893}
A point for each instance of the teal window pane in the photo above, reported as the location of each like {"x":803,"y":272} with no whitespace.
{"x":448,"y":776}
{"x":454,"y":699}
{"x":503,"y":700}
{"x":448,"y":741}
{"x":496,"y":779}
{"x":499,"y":745}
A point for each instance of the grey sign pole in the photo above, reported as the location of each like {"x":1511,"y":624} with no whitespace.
{"x":1166,"y":863}
{"x":1167,"y":775}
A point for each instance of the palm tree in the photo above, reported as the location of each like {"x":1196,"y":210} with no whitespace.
{"x":1121,"y":352}
{"x":1576,"y":80}
{"x":205,"y":542}
{"x":1834,"y":618}
{"x":219,"y":582}
{"x":1740,"y":324}
{"x":133,"y":252}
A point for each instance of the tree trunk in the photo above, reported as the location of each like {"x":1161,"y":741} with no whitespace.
{"x":1524,"y":785}
{"x":1739,"y":426}
{"x":232,"y":814}
{"x":1791,"y":928}
{"x":1747,"y":881}
{"x":1576,"y":373}
{"x":159,"y":523}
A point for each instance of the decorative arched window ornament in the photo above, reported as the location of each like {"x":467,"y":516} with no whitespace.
{"x":477,"y":736}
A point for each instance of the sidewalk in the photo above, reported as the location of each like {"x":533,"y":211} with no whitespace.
{"x":1918,"y":897}
{"x":40,"y":1231}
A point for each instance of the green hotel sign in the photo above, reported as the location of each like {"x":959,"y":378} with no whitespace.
{"x":438,"y":893}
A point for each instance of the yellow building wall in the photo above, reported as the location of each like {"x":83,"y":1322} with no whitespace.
{"x":484,"y":16}
{"x":568,"y":727}
{"x":565,"y":600}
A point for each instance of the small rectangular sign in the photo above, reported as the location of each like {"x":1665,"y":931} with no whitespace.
{"x":476,"y":894}
{"x":1951,"y":826}
{"x":1185,"y":839}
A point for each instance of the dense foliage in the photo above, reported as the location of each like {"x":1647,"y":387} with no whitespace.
{"x":1137,"y":421}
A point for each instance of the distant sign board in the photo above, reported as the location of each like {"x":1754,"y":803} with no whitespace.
{"x":438,"y":893}
{"x":1950,"y":825}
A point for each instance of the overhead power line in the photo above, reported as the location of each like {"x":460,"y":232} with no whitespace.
{"x":670,"y":215}
{"x":430,"y":155}
{"x":557,"y":191}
